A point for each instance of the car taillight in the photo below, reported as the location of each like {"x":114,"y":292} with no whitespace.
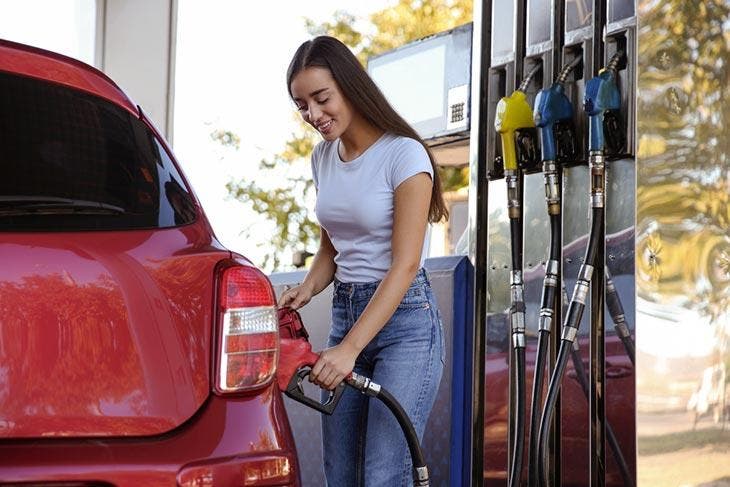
{"x":248,"y":345}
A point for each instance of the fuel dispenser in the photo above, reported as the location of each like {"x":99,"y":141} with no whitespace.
{"x":582,"y":118}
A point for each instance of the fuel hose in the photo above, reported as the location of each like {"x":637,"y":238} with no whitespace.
{"x":370,"y":388}
{"x":570,"y":331}
{"x":601,"y":96}
{"x":582,"y":377}
{"x":513,"y":113}
{"x":616,"y":310}
{"x":552,"y":106}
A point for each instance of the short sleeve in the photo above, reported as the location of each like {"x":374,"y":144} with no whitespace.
{"x":315,"y":164}
{"x":410,"y":159}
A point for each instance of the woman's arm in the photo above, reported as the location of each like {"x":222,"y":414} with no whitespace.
{"x":410,"y":219}
{"x":319,"y":276}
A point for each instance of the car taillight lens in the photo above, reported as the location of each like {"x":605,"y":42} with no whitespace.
{"x":248,"y":345}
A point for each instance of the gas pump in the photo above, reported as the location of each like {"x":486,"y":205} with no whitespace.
{"x":514,"y":122}
{"x":602,"y":103}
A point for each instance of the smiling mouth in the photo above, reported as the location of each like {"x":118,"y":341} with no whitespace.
{"x":325,"y":127}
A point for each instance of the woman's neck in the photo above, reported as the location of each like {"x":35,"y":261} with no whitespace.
{"x":359,"y":136}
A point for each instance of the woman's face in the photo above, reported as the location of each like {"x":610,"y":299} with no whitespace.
{"x":321,"y":103}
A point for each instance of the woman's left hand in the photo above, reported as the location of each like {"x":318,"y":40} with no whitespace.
{"x":334,"y":365}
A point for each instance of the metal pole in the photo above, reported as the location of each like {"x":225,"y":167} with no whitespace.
{"x":478,"y":191}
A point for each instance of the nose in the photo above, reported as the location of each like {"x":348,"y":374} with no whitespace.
{"x":313,"y":114}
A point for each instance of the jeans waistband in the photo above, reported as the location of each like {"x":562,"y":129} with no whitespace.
{"x":368,"y":288}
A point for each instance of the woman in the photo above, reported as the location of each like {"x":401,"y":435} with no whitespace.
{"x":377,"y":190}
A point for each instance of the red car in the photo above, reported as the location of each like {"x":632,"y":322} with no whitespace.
{"x":135,"y":350}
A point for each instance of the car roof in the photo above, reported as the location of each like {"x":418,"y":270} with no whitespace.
{"x":38,"y":63}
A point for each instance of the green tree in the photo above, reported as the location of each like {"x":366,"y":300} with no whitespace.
{"x":287,"y":204}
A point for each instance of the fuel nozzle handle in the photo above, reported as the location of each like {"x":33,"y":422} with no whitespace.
{"x":513,"y":113}
{"x":601,"y":96}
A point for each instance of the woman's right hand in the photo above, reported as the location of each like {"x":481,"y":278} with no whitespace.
{"x":296,"y":297}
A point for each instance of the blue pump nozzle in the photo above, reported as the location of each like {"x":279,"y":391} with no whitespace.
{"x":601,"y":96}
{"x":551,"y":106}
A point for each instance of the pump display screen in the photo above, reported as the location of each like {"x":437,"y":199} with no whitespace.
{"x":539,"y":22}
{"x":578,"y":14}
{"x":620,"y":9}
{"x":422,"y":98}
{"x":503,"y":31}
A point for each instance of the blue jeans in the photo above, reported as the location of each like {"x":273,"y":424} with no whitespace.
{"x":363,"y":443}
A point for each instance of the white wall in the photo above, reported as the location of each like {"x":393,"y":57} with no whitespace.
{"x":135,"y":46}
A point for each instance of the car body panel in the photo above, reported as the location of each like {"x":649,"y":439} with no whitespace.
{"x":220,"y":432}
{"x":121,"y":335}
{"x":50,"y":66}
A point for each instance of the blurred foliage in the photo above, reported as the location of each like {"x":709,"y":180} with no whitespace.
{"x":286,"y":205}
{"x":453,"y":178}
{"x":683,"y":197}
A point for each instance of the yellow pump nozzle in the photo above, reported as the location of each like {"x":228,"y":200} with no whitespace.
{"x":513,"y":113}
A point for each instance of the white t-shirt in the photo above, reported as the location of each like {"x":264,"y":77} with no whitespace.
{"x":355,"y":201}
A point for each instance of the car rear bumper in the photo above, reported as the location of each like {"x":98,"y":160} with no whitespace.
{"x":229,"y":441}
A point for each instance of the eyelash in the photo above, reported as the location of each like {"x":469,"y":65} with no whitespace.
{"x":304,"y":107}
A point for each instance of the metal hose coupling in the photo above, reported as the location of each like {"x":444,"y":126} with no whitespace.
{"x":597,"y":165}
{"x":550,"y":285}
{"x":363,"y":384}
{"x":615,"y":308}
{"x":577,"y":303}
{"x":552,"y":189}
{"x":517,"y":311}
{"x":421,"y":479}
{"x":513,"y":193}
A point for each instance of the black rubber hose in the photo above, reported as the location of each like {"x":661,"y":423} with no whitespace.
{"x":543,"y":339}
{"x":549,"y":293}
{"x":549,"y":409}
{"x":623,"y":467}
{"x":555,"y":237}
{"x":597,"y":223}
{"x":518,"y":445}
{"x":572,"y":320}
{"x":616,"y":310}
{"x":414,"y":446}
{"x":630,"y":349}
{"x":517,"y":309}
{"x":515,"y":230}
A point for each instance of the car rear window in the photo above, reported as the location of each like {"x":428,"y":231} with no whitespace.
{"x":73,"y":161}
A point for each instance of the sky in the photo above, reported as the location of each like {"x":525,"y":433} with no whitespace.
{"x":230,"y":75}
{"x":231,"y":60}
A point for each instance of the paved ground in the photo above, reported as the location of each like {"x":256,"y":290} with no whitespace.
{"x":675,"y":456}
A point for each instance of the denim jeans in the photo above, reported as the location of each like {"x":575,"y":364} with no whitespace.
{"x":362,"y":441}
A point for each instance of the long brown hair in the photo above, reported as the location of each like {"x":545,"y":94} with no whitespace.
{"x":365,"y":97}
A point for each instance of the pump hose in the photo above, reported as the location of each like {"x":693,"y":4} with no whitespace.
{"x":413,"y":445}
{"x":518,"y":444}
{"x":616,"y":310}
{"x":370,"y":388}
{"x":517,"y":312}
{"x":549,"y":294}
{"x":570,"y":330}
{"x":610,"y":435}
